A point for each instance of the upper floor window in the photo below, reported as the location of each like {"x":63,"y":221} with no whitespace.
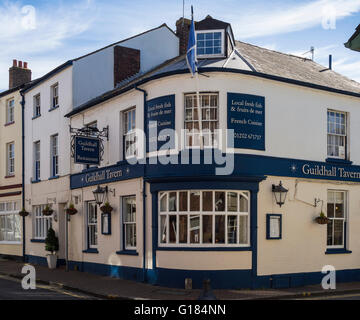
{"x":41,"y":223}
{"x":210,"y":43}
{"x":54,"y":155}
{"x":336,"y":134}
{"x":55,"y":96}
{"x":37,"y":108}
{"x":129,"y":122}
{"x":10,"y":107}
{"x":209,"y":119}
{"x":37,"y":161}
{"x":336,"y":212}
{"x":10,"y":159}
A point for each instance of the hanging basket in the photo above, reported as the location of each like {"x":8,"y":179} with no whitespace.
{"x":23,"y":213}
{"x":71,"y":211}
{"x":47,"y":211}
{"x":322,"y":220}
{"x":106,"y":208}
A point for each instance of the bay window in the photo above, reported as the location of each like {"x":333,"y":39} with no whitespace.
{"x":10,"y":229}
{"x":336,"y":212}
{"x":204,"y":218}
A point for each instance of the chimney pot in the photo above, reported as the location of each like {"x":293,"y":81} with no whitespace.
{"x":19,"y":75}
{"x":14,"y":63}
{"x":20,"y":64}
{"x":25,"y":65}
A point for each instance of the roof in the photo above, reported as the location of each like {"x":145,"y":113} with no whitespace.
{"x":250,"y":60}
{"x":354,"y":41}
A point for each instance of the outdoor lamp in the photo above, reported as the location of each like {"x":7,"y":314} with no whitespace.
{"x":99,"y":195}
{"x":280,"y":193}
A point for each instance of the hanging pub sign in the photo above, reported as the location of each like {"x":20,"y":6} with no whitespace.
{"x":246,"y":116}
{"x":87,"y":150}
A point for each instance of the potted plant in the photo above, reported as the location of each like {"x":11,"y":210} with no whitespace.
{"x":106,"y":208}
{"x":51,"y":245}
{"x":71,"y":210}
{"x":23,"y":213}
{"x":47,"y":211}
{"x":322,"y":219}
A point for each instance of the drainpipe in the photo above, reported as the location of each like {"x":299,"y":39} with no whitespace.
{"x":144,"y":190}
{"x":23,"y":167}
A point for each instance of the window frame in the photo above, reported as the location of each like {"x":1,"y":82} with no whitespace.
{"x":226,"y":213}
{"x":95,"y":224}
{"x":10,"y":161}
{"x":344,"y":219}
{"x":124,"y":224}
{"x":126,"y":133}
{"x":37,"y":161}
{"x":39,"y":220}
{"x":15,"y":215}
{"x":37,"y":107}
{"x":345,"y":136}
{"x":10,"y":111}
{"x":217,"y":55}
{"x":53,"y":97}
{"x":54,"y":156}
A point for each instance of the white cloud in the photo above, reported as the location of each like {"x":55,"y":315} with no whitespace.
{"x":290,"y":19}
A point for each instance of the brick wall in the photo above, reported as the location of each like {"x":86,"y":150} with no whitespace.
{"x":182,"y":31}
{"x":126,"y":63}
{"x":19,"y":74}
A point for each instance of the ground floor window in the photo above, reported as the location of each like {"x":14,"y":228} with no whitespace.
{"x":91,"y":221}
{"x":41,"y":223}
{"x":10,"y":230}
{"x":336,"y":212}
{"x":129,"y":222}
{"x":204,"y":218}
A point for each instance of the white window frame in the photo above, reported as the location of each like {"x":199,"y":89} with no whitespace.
{"x":37,"y":160}
{"x":129,"y":133}
{"x":10,"y":159}
{"x":41,"y":223}
{"x":37,"y":105}
{"x":344,"y":136}
{"x":92,"y":226}
{"x":220,"y":55}
{"x":10,"y":111}
{"x":55,"y":96}
{"x":8,"y":209}
{"x":226,"y":213}
{"x":194,"y":122}
{"x":128,"y":223}
{"x":54,"y":155}
{"x":344,"y":219}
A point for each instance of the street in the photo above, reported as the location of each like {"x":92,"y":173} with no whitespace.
{"x":353,"y":296}
{"x":10,"y":289}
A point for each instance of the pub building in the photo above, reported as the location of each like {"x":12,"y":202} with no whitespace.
{"x":238,"y":207}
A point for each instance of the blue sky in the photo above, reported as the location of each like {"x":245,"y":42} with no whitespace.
{"x":48,"y":33}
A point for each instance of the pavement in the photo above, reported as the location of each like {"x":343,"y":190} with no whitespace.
{"x":95,"y":286}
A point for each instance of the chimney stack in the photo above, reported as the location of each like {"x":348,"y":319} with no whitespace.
{"x":19,"y":74}
{"x":182,"y":31}
{"x":330,"y":62}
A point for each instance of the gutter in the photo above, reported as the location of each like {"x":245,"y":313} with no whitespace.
{"x":144,"y":190}
{"x":23,"y":167}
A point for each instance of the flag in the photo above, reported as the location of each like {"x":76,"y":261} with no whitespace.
{"x":191,"y":49}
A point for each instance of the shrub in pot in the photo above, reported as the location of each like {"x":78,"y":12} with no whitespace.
{"x":47,"y":211}
{"x":23,"y":213}
{"x":51,"y":245}
{"x":71,"y":210}
{"x":106,"y":208}
{"x":322,"y":219}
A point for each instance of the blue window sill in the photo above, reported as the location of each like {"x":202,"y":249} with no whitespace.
{"x":338,"y":161}
{"x":128,"y":252}
{"x":91,"y":251}
{"x":35,"y":117}
{"x":203,"y":249}
{"x":35,"y":181}
{"x":54,"y":177}
{"x":37,"y":240}
{"x":337,"y":251}
{"x":53,"y":108}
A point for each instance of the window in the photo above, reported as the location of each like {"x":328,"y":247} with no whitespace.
{"x":10,"y":159}
{"x":10,"y":107}
{"x":55,"y":96}
{"x":41,"y":223}
{"x":10,"y":230}
{"x":37,"y":161}
{"x":209,"y":119}
{"x":91,"y":221}
{"x":204,"y":218}
{"x":37,"y":110}
{"x":210,"y":43}
{"x":336,"y":212}
{"x":129,"y":133}
{"x":337,"y":138}
{"x":129,"y":222}
{"x":54,"y":155}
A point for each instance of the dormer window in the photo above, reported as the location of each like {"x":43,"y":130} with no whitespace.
{"x":210,"y":43}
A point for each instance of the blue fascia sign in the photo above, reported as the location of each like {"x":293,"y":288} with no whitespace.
{"x":160,"y":116}
{"x":87,"y":150}
{"x":246,"y":116}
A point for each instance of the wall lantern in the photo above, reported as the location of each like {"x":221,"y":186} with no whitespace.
{"x":99,"y":194}
{"x":280,"y":193}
